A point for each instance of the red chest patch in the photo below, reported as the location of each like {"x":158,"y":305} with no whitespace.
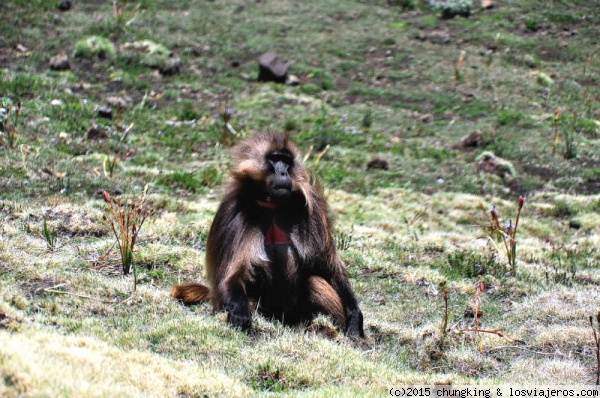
{"x":274,"y":235}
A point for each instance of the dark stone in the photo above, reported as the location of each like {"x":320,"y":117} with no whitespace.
{"x":378,"y":163}
{"x":105,"y":112}
{"x":235,"y":62}
{"x":272,"y":68}
{"x":96,"y":134}
{"x":64,"y":5}
{"x":574,"y":224}
{"x":60,"y":62}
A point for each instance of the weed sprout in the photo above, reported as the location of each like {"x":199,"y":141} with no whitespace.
{"x":505,"y":233}
{"x":126,"y":223}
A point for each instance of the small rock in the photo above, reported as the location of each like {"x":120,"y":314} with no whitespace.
{"x":199,"y":51}
{"x":60,"y":62}
{"x":488,"y":162}
{"x":472,"y":140}
{"x":56,"y":102}
{"x":439,"y":37}
{"x":379,"y":164}
{"x":293,"y":80}
{"x":574,"y":224}
{"x":105,"y":112}
{"x":118,"y":102}
{"x":422,"y":117}
{"x":64,"y":5}
{"x":21,"y":48}
{"x":96,"y":134}
{"x":426,"y":118}
{"x":272,"y":68}
{"x":172,"y":67}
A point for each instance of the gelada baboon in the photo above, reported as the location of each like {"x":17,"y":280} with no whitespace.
{"x":270,"y":246}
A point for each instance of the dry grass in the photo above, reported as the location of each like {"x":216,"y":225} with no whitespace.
{"x":42,"y":363}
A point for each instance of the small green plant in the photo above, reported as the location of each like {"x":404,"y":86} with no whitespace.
{"x":8,"y":125}
{"x":108,"y":165}
{"x":570,"y":147}
{"x":531,"y":25}
{"x":367,"y":120}
{"x":564,"y":262}
{"x":562,"y":209}
{"x":49,"y":236}
{"x":506,"y":234}
{"x":126,"y":222}
{"x":188,"y":112}
{"x":268,"y":379}
{"x":505,"y":117}
{"x":343,"y":241}
{"x":465,"y":264}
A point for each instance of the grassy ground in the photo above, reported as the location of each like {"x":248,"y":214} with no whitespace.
{"x":379,"y":81}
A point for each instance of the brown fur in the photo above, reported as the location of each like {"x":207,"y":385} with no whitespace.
{"x":191,"y":292}
{"x":273,"y":250}
{"x":323,"y":297}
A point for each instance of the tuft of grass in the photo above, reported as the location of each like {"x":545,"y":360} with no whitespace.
{"x":562,"y":209}
{"x":9,"y":123}
{"x":49,"y":236}
{"x":268,"y":379}
{"x":108,"y":165}
{"x":570,"y":151}
{"x":465,"y":264}
{"x":502,"y":234}
{"x":126,"y":222}
{"x":343,"y":240}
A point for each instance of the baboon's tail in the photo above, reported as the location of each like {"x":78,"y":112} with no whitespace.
{"x":190,"y":292}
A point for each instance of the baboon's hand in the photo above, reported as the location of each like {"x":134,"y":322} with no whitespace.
{"x":354,"y":325}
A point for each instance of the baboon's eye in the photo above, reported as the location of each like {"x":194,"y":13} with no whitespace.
{"x":279,"y":159}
